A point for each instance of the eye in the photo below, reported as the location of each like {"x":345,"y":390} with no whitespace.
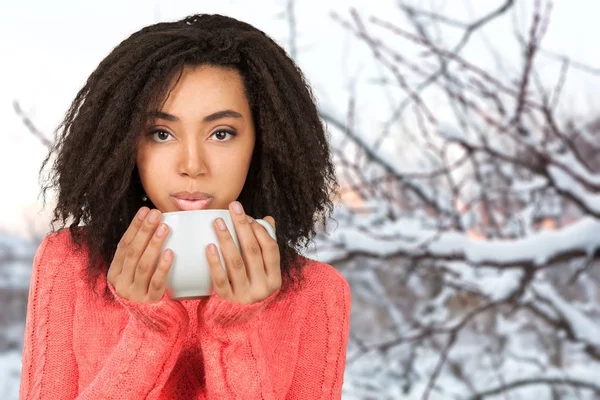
{"x":221,"y":135}
{"x":160,"y":135}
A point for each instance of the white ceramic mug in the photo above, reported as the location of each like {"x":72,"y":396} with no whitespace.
{"x":190,"y":232}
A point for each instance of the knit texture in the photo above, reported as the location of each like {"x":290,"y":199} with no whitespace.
{"x":78,"y":345}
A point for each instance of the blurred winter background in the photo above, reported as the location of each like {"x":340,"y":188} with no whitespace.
{"x":466,"y":135}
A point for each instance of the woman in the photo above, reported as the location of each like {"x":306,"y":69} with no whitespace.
{"x":203,"y":113}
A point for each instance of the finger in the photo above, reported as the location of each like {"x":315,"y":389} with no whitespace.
{"x":157,"y":285}
{"x":251,"y":251}
{"x":219,"y":277}
{"x":270,"y":251}
{"x":235,"y":267}
{"x":138,"y":246}
{"x":147,"y":263}
{"x":116,"y":266}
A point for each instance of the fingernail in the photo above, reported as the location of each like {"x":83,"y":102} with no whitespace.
{"x":162,"y":229}
{"x":250,"y":219}
{"x":212,"y":249}
{"x":221,"y":224}
{"x":154,"y":214}
{"x":168,"y":254}
{"x":237,"y":207}
{"x":142,"y":213}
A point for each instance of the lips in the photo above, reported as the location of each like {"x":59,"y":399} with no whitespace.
{"x":186,"y":201}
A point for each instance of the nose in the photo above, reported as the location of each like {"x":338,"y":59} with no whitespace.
{"x":192,"y":160}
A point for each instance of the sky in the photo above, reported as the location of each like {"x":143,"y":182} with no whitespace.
{"x":49,"y":49}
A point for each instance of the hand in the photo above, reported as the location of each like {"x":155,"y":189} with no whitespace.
{"x":132,"y":271}
{"x":255,"y":274}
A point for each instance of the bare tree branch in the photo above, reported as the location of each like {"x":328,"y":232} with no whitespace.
{"x":30,"y":125}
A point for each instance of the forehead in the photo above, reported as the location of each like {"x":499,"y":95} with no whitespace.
{"x":202,"y":90}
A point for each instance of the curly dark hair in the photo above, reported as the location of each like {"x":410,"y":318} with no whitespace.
{"x":291,"y":175}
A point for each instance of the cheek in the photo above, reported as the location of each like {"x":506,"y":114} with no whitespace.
{"x":236,"y":164}
{"x":230,"y":169}
{"x":230,"y":173}
{"x":150,"y":166}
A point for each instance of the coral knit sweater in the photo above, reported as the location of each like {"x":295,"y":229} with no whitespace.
{"x":78,"y":345}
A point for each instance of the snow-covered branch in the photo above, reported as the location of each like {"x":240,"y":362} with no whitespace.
{"x":406,"y":238}
{"x":486,"y":241}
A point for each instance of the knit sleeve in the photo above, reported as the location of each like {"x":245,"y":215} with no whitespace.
{"x":319,"y":372}
{"x":138,"y":365}
{"x":237,"y":365}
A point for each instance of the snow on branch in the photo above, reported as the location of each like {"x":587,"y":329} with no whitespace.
{"x":540,"y":249}
{"x":486,"y":239}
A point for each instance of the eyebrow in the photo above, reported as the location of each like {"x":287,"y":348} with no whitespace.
{"x":209,"y":118}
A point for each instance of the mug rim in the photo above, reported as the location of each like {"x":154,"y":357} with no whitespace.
{"x":188,"y":211}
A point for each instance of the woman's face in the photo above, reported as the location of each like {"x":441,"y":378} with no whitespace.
{"x":196,"y":150}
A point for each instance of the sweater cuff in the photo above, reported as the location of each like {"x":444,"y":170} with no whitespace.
{"x":162,"y":316}
{"x":218,"y":312}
